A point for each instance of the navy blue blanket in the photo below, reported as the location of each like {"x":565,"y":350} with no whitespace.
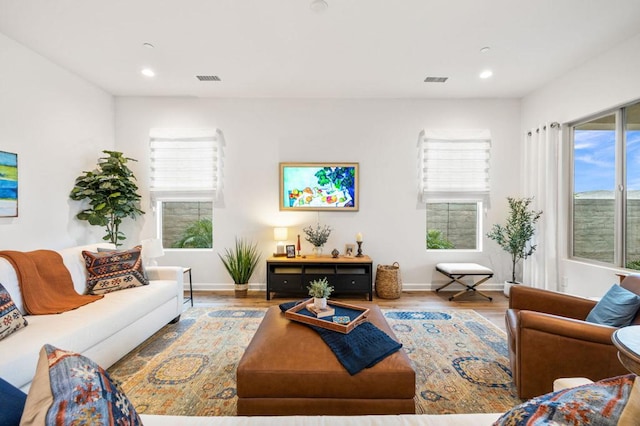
{"x":365,"y":346}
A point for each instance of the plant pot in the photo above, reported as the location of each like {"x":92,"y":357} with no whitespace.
{"x":320,"y":302}
{"x":507,"y":287}
{"x":241,"y":290}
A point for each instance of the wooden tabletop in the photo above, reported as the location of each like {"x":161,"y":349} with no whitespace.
{"x":627,"y":340}
{"x":325,"y":258}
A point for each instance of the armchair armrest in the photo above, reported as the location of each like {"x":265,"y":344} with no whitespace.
{"x":550,"y":302}
{"x":170,"y":273}
{"x":566,"y":327}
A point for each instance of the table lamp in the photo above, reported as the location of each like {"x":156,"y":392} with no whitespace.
{"x":151,"y":250}
{"x":280,"y":235}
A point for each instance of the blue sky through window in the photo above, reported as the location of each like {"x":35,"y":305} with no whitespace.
{"x":594,"y":160}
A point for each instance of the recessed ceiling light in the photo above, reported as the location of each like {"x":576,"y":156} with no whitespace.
{"x":486,"y":74}
{"x":485,"y":49}
{"x":148,"y":45}
{"x":319,"y":6}
{"x":148,"y":72}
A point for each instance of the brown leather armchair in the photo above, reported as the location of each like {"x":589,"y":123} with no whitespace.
{"x":549,"y":338}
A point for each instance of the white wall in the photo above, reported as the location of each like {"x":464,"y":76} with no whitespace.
{"x":602,"y":83}
{"x":58,"y":124}
{"x":379,"y":134}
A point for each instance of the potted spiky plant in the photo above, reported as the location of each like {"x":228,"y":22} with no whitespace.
{"x":240,"y":262}
{"x":516,"y":234}
{"x":320,"y":290}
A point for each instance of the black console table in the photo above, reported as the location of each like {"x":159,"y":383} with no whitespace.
{"x":347,"y":275}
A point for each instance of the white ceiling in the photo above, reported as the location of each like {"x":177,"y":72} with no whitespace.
{"x":355,"y":49}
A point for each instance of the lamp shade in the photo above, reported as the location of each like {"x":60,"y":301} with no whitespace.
{"x":280,"y":234}
{"x":152,"y":248}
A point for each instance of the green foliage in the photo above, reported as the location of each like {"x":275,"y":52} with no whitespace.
{"x":318,"y":236}
{"x":197,"y":235}
{"x":436,"y":241}
{"x":320,"y":288}
{"x":241,"y":261}
{"x":515,"y":236}
{"x":339,"y":177}
{"x":633,"y":264}
{"x":112,"y":195}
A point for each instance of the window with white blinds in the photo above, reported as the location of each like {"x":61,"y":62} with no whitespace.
{"x":185,"y":163}
{"x":454,"y":165}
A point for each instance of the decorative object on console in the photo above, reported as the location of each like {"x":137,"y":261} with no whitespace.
{"x":280,"y":235}
{"x":11,"y":320}
{"x":151,"y":250}
{"x":320,"y":290}
{"x":335,"y":253}
{"x":240,"y":262}
{"x":291,"y":251}
{"x":298,"y":247}
{"x":9,"y":188}
{"x":319,"y":186}
{"x":112,"y":195}
{"x":318,"y":237}
{"x":69,"y":388}
{"x":515,"y":236}
{"x":114,"y":270}
{"x":348,"y":250}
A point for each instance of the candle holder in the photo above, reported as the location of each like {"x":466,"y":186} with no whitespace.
{"x":359,"y":249}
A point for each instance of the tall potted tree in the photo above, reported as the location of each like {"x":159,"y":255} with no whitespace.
{"x":516,"y":234}
{"x":240,"y":262}
{"x":112,"y":194}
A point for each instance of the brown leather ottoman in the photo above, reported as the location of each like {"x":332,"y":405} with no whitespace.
{"x":287,"y":369}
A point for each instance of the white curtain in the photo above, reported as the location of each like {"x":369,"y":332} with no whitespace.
{"x":542,"y":182}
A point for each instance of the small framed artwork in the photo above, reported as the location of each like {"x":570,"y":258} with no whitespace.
{"x":348,"y":250}
{"x":8,"y":184}
{"x":291,"y":251}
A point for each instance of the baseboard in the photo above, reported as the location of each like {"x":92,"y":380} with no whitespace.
{"x":405,"y":287}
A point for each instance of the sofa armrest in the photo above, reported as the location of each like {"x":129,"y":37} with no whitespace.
{"x":550,"y":302}
{"x":566,"y":327}
{"x":169,"y":273}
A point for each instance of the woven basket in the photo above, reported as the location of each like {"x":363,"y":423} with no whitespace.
{"x":388,"y":281}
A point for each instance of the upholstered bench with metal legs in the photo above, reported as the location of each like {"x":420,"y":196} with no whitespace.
{"x":457,"y":271}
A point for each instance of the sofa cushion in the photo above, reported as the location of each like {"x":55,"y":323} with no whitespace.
{"x":12,"y":402}
{"x":11,"y":319}
{"x":69,"y":388}
{"x":73,"y":260}
{"x":617,"y":308}
{"x":114,"y":270}
{"x":600,"y":403}
{"x":84,"y":329}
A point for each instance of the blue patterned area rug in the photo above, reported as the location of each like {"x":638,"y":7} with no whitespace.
{"x":188,"y":368}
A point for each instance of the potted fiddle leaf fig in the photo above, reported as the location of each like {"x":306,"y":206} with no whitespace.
{"x":112,"y":194}
{"x":320,"y":290}
{"x":240,"y":262}
{"x":515,"y":235}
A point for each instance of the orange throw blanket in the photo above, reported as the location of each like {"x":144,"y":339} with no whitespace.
{"x":45,"y":282}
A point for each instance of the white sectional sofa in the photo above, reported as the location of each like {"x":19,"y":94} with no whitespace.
{"x":104,"y":330}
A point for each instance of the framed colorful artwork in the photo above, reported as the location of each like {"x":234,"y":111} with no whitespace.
{"x":319,"y":186}
{"x":8,"y":184}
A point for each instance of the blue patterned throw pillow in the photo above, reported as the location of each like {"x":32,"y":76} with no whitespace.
{"x":114,"y":270}
{"x":70,"y":389}
{"x":11,"y":320}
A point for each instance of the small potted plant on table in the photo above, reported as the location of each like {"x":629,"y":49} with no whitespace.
{"x":320,"y":290}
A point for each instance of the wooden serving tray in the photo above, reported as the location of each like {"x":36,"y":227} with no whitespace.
{"x":301,"y":314}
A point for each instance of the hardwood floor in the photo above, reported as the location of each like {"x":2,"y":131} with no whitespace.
{"x":425,"y":300}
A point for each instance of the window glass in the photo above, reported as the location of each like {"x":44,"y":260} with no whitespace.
{"x":453,"y":225}
{"x":594,"y":208}
{"x":632,"y":144}
{"x":187,"y":224}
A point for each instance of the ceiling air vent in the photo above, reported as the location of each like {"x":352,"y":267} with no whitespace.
{"x":208,"y":78}
{"x":435,"y":79}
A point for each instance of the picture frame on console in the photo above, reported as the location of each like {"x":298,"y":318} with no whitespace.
{"x":319,"y":186}
{"x":348,"y":250}
{"x":291,"y":251}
